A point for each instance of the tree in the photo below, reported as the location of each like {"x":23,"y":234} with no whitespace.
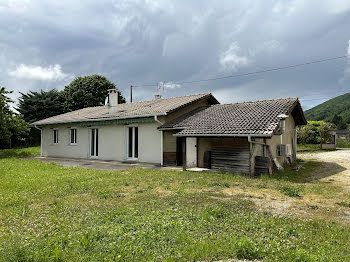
{"x":324,"y":130}
{"x":341,"y":124}
{"x":87,"y":91}
{"x":336,"y":119}
{"x":13,"y":129}
{"x":313,"y":131}
{"x":35,"y":106}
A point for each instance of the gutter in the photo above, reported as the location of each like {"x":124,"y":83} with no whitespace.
{"x":100,"y":119}
{"x":156,"y":119}
{"x":226,"y":135}
{"x":41,"y":139}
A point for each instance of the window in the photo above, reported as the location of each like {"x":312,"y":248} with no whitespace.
{"x":55,"y":136}
{"x":93,"y":142}
{"x":73,"y":136}
{"x":133,"y":142}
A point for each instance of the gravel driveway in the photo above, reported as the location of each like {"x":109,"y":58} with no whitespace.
{"x":335,"y":168}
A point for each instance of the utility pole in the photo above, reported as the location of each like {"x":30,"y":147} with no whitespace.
{"x":131,"y":94}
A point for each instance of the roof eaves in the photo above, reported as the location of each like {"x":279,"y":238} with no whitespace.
{"x":224,"y":135}
{"x":97,"y":119}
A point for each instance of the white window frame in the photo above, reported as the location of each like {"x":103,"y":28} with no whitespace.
{"x":73,"y":129}
{"x":132,"y":158}
{"x":90,"y":134}
{"x":55,"y":142}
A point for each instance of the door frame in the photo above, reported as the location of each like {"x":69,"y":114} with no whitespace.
{"x":133,"y":158}
{"x":96,"y":143}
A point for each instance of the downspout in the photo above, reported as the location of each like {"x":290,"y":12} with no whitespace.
{"x":251,"y":163}
{"x":41,"y":139}
{"x":161,"y":141}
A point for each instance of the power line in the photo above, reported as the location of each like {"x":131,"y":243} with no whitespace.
{"x":338,"y":93}
{"x":250,"y":73}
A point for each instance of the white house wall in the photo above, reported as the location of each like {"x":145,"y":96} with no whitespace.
{"x":112,"y":142}
{"x":288,"y":137}
{"x":63,"y":148}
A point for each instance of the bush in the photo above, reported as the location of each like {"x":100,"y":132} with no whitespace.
{"x":246,"y":249}
{"x":311,"y":133}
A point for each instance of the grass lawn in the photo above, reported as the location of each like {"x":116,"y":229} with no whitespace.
{"x":343,"y":143}
{"x":309,"y":148}
{"x":55,"y":213}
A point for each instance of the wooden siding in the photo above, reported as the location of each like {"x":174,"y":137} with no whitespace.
{"x":227,"y":154}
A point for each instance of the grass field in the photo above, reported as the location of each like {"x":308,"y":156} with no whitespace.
{"x":343,"y":143}
{"x":316,"y":148}
{"x":54,"y":213}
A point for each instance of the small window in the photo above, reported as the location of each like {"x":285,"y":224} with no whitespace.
{"x":55,"y":136}
{"x":73,"y":135}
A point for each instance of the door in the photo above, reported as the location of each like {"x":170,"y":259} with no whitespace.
{"x":133,"y":143}
{"x":93,"y":142}
{"x":179,"y":151}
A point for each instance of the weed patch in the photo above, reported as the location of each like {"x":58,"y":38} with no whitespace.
{"x":291,"y":191}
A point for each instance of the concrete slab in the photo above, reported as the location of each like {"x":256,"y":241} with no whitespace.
{"x":198,"y":169}
{"x":103,"y":165}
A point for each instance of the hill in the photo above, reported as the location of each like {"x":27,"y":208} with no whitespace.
{"x":339,"y":105}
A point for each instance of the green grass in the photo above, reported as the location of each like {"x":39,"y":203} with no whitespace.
{"x":20,"y":152}
{"x":54,"y":213}
{"x":308,"y":148}
{"x":343,"y":143}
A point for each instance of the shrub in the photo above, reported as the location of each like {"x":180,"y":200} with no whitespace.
{"x":246,"y":249}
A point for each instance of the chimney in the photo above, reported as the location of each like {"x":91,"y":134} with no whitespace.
{"x":113,"y":96}
{"x":157,"y":96}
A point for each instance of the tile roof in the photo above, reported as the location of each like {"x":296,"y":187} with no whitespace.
{"x":253,"y":118}
{"x":136,"y":109}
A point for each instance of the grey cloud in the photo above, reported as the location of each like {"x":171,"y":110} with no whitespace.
{"x":136,"y":42}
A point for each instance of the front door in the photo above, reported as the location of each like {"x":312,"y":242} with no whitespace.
{"x":133,"y":143}
{"x":93,"y":142}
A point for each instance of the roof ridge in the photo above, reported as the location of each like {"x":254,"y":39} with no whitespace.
{"x":254,"y":101}
{"x":157,"y":99}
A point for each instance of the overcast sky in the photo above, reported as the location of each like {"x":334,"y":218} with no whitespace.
{"x":45,"y":44}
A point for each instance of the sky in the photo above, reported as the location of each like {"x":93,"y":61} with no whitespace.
{"x":46,"y":44}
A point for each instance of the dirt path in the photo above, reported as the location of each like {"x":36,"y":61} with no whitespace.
{"x":335,"y":166}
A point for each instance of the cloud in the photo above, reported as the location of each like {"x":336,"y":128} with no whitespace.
{"x":171,"y":85}
{"x":53,"y":73}
{"x":286,"y":7}
{"x":231,"y":60}
{"x":135,"y":42}
{"x":346,"y":74}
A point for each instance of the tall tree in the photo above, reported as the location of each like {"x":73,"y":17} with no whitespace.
{"x":13,"y":129}
{"x":88,"y":91}
{"x":35,"y":106}
{"x":336,"y":118}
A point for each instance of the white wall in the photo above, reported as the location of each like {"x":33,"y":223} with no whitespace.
{"x":112,"y":142}
{"x":288,"y":137}
{"x":63,"y":148}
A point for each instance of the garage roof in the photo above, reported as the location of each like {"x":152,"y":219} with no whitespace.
{"x":245,"y":118}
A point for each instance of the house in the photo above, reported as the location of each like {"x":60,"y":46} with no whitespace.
{"x":342,"y":134}
{"x":189,"y":131}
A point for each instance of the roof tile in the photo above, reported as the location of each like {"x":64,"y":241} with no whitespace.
{"x":255,"y":117}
